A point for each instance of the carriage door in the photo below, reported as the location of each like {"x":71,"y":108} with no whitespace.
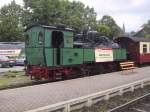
{"x":58,"y":43}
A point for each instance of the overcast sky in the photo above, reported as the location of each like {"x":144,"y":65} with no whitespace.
{"x":133,"y":13}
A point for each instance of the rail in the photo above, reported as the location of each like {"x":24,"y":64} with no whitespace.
{"x":126,"y":105}
{"x":87,"y":101}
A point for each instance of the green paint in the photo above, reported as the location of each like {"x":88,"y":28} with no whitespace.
{"x":48,"y":38}
{"x":119,"y":54}
{"x":68,"y":39}
{"x":89,"y":55}
{"x":44,"y":55}
{"x":71,"y":56}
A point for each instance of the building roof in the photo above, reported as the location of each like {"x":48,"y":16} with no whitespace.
{"x":12,"y":45}
{"x":56,"y":27}
{"x":140,"y":33}
{"x":138,"y":39}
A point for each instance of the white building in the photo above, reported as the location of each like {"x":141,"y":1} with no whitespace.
{"x":11,"y":49}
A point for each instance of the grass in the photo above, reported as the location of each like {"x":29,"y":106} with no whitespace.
{"x":13,"y":78}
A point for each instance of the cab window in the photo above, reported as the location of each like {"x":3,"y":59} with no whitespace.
{"x":41,"y":38}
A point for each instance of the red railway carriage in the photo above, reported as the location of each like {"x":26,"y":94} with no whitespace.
{"x":138,"y":48}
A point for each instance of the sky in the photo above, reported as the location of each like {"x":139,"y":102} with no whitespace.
{"x":132,"y":13}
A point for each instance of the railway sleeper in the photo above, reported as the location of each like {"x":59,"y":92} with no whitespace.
{"x":145,"y":104}
{"x":143,"y":107}
{"x":138,"y":110}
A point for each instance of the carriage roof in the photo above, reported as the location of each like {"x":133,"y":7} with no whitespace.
{"x":135,"y":39}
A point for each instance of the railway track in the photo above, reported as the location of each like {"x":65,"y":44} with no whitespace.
{"x":140,"y":104}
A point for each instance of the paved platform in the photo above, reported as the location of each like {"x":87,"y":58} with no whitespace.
{"x":27,"y":98}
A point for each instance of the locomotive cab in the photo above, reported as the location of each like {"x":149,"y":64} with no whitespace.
{"x":45,"y":44}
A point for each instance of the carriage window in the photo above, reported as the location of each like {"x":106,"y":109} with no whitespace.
{"x":149,"y":48}
{"x":144,"y":48}
{"x":27,"y":39}
{"x":41,"y":38}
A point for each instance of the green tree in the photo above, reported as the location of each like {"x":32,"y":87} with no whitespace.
{"x":147,"y":35}
{"x":146,"y":29}
{"x":132,"y":33}
{"x":115,"y":30}
{"x":74,"y":14}
{"x":104,"y":30}
{"x":10,"y":22}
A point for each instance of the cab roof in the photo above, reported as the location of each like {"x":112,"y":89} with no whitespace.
{"x":54,"y":27}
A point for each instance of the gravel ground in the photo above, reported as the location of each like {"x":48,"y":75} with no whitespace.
{"x":15,"y":68}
